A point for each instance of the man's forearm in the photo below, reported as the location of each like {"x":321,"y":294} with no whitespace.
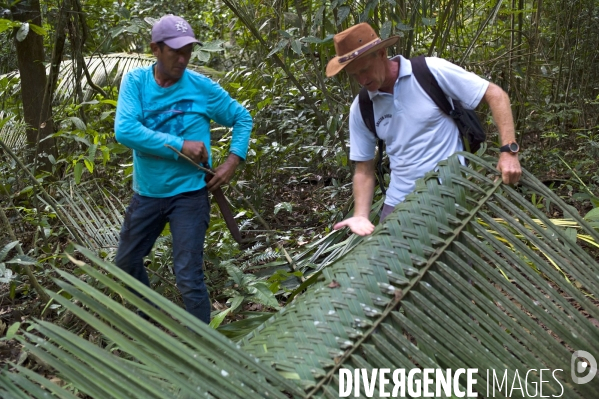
{"x":363,"y":188}
{"x":501,"y":110}
{"x":234,"y":160}
{"x":508,"y":164}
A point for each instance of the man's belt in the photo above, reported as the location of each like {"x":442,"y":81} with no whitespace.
{"x":219,"y":196}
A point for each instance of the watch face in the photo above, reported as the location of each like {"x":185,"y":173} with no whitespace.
{"x":514,"y":147}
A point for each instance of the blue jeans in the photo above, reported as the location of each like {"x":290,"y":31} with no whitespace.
{"x":188,"y":215}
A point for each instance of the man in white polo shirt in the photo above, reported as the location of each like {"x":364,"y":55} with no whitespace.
{"x":416,"y":132}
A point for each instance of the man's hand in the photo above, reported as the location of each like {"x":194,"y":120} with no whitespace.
{"x":196,"y":150}
{"x":359,"y":225}
{"x":509,"y":166}
{"x":224,"y":173}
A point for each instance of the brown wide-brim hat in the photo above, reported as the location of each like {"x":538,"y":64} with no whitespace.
{"x":353,"y":43}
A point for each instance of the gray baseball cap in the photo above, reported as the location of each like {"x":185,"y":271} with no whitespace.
{"x":174,"y":31}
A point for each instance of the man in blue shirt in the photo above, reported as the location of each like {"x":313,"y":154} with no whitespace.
{"x":168,"y":104}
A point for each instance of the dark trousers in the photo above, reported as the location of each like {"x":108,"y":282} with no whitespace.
{"x":387,"y":209}
{"x":188,"y":215}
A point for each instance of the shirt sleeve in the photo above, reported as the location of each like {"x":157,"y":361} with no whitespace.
{"x":128,"y":124}
{"x":362,"y":142}
{"x":228,"y":112}
{"x":458,"y":83}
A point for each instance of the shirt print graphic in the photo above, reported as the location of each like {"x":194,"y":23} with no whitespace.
{"x":167,"y":119}
{"x":382,"y":118}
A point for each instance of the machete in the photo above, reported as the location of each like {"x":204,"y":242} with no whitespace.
{"x":225,"y":210}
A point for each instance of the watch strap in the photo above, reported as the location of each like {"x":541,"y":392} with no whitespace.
{"x":507,"y":148}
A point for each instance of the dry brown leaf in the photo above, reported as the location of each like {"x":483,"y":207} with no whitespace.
{"x":334,"y":284}
{"x":57,"y":381}
{"x":398,"y":294}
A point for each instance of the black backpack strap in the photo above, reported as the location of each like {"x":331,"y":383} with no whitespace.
{"x":367,"y":111}
{"x":429,"y":84}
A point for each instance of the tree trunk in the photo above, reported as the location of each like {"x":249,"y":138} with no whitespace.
{"x":36,"y":109}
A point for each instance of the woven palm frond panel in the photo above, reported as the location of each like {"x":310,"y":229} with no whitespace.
{"x":466,"y":273}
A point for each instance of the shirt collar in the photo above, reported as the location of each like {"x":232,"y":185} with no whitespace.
{"x":405,"y":66}
{"x":405,"y":69}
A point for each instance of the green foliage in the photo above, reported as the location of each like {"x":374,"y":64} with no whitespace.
{"x":198,"y":351}
{"x":23,"y":28}
{"x":243,"y":288}
{"x":297,"y":174}
{"x":6,"y":274}
{"x":6,"y":24}
{"x":127,"y":28}
{"x":288,"y":142}
{"x":444,"y":292}
{"x":83,"y":145}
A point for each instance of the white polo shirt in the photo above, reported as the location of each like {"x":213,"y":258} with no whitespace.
{"x":416,"y":132}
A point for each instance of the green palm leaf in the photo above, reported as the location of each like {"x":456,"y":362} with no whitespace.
{"x":432,"y":287}
{"x":107,"y":70}
{"x":190,"y":361}
{"x":97,"y":223}
{"x":12,"y":132}
{"x":466,"y":273}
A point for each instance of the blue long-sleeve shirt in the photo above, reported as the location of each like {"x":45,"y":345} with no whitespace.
{"x":149,"y":116}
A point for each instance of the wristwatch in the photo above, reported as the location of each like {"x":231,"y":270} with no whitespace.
{"x":511,"y":147}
